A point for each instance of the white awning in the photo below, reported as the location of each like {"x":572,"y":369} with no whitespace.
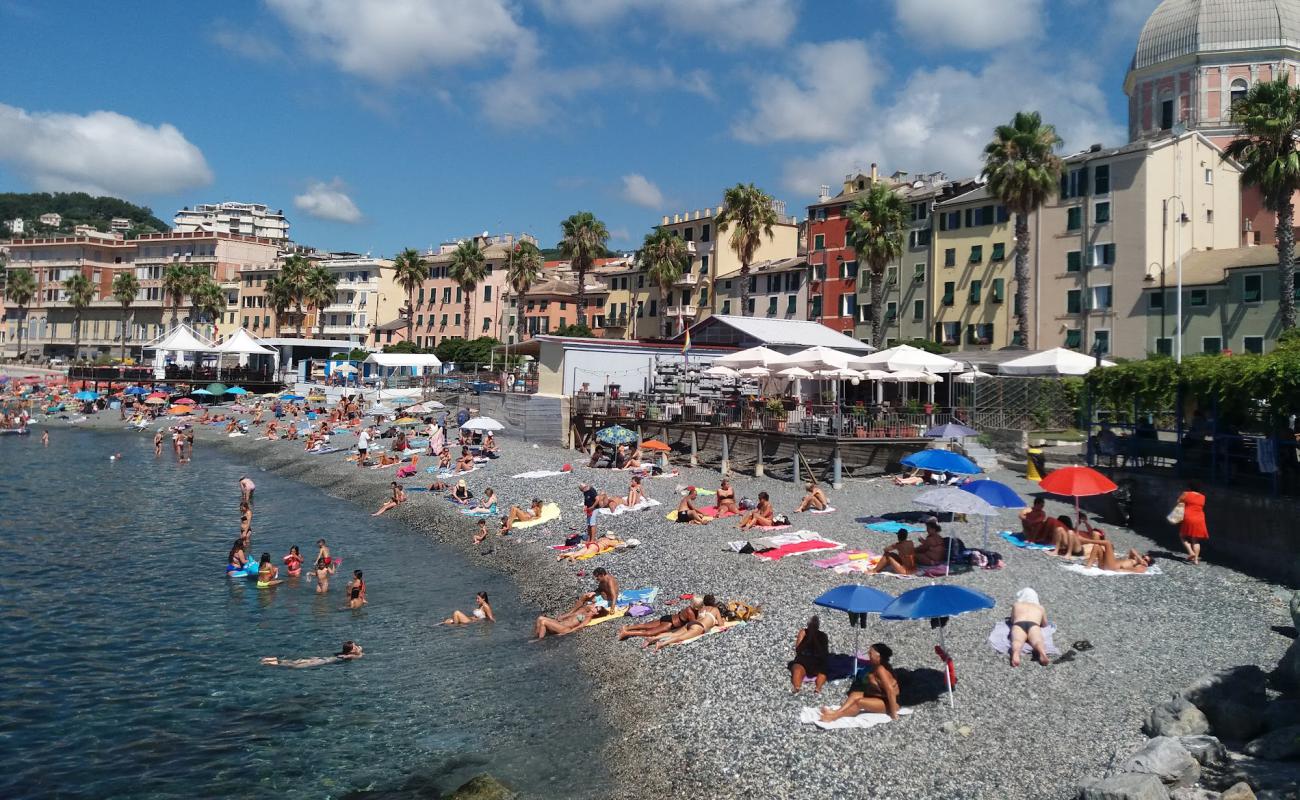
{"x":818,"y":359}
{"x":243,"y":343}
{"x":1057,"y":361}
{"x":404,"y":360}
{"x":753,"y":357}
{"x":913,"y":358}
{"x":181,"y":339}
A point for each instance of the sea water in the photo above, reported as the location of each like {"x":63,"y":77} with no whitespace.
{"x":129,"y":661}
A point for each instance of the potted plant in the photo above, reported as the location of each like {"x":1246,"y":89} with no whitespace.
{"x":775,"y":408}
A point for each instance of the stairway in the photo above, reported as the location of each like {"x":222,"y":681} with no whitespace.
{"x":985,"y":458}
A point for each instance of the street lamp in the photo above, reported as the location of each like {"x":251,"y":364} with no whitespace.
{"x":1178,"y":256}
{"x":1150,"y":276}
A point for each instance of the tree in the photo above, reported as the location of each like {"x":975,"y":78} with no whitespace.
{"x":749,"y":212}
{"x":320,"y":293}
{"x":663,"y":256}
{"x":577,"y":330}
{"x":125,"y":288}
{"x":279,"y":296}
{"x":81,"y":293}
{"x":876,"y":222}
{"x":294,"y":273}
{"x":583,"y":242}
{"x":410,"y":271}
{"x":467,"y":268}
{"x":176,"y":281}
{"x":1269,"y":120}
{"x":1023,"y":171}
{"x":523,"y":269}
{"x":20,"y":289}
{"x":209,"y":300}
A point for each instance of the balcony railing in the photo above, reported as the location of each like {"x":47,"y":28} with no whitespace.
{"x":687,"y":279}
{"x":680,"y":311}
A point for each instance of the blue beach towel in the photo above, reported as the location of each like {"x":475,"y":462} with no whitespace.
{"x":1021,"y":543}
{"x":893,"y":527}
{"x":628,"y":597}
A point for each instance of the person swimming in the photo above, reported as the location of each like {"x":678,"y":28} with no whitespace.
{"x":350,"y":652}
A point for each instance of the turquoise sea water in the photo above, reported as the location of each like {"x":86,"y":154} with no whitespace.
{"x":129,"y":661}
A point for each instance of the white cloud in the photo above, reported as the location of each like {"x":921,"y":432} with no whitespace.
{"x":246,"y":44}
{"x":641,"y":191}
{"x":970,"y":24}
{"x":328,"y":201}
{"x":386,"y":40}
{"x":824,"y":101}
{"x":941,"y":119}
{"x":101,"y":152}
{"x":726,"y":24}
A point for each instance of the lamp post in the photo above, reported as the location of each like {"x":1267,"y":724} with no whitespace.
{"x":1178,"y":257}
{"x":1150,"y":277}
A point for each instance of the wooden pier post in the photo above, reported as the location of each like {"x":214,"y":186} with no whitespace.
{"x":758,"y":463}
{"x":837,"y":469}
{"x":695,"y":448}
{"x":726,"y":455}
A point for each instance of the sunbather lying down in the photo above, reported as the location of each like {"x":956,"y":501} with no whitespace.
{"x":666,"y":623}
{"x":602,"y":545}
{"x":1103,"y":556}
{"x":708,"y":617}
{"x":918,"y":477}
{"x":578,"y":616}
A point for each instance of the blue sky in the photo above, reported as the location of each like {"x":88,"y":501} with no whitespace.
{"x":381,"y":125}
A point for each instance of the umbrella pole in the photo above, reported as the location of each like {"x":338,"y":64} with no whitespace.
{"x":947,"y":674}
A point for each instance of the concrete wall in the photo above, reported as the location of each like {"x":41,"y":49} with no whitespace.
{"x":533,"y":417}
{"x":1255,"y":534}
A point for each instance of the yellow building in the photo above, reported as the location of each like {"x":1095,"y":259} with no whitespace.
{"x":972,"y":292}
{"x":714,"y":265}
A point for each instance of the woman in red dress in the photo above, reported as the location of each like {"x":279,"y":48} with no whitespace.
{"x":1192,"y":529}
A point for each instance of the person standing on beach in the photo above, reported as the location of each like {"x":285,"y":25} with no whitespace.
{"x":246,"y":489}
{"x":363,"y":445}
{"x":1192,"y":530}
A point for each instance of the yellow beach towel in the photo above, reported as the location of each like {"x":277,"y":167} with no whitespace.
{"x":550,"y":513}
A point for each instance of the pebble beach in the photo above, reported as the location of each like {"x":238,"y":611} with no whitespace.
{"x":717,"y":718}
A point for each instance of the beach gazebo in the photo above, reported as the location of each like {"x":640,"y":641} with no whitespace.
{"x":180,"y":340}
{"x":417,"y":363}
{"x":243,"y":344}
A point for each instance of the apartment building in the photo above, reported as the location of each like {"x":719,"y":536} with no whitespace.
{"x":1120,"y":216}
{"x":245,"y":219}
{"x":362,"y":281}
{"x":552,"y":303}
{"x":439,"y":303}
{"x":49,"y":329}
{"x":973,"y":288}
{"x":632,"y":301}
{"x":778,"y":289}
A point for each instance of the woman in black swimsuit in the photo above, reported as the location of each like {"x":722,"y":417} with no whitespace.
{"x":356,"y":590}
{"x":875,"y":691}
{"x":811,"y":649}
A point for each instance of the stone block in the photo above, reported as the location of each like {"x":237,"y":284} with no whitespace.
{"x":1207,"y":750}
{"x":1176,"y":717}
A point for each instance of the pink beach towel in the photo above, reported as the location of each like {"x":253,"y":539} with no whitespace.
{"x":776,"y":554}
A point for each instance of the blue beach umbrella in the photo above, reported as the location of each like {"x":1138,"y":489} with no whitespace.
{"x":858,"y":601}
{"x":292,"y":398}
{"x":86,"y":396}
{"x":202,"y":391}
{"x":942,"y":461}
{"x":996,"y":494}
{"x":136,"y":390}
{"x":950,"y":430}
{"x":616,"y":434}
{"x":237,"y":390}
{"x":938,"y":602}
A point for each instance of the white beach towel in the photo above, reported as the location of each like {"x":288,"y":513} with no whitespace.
{"x":539,"y":473}
{"x":641,"y":505}
{"x":1000,"y":640}
{"x":1154,"y":569}
{"x":812,"y":716}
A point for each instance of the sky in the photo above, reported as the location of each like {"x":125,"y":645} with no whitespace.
{"x":405,"y":123}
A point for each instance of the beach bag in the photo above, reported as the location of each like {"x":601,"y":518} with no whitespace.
{"x":780,"y":519}
{"x":745,"y":504}
{"x":1176,"y":516}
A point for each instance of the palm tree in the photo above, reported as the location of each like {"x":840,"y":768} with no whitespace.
{"x":583,"y":242}
{"x":410,"y":272}
{"x":20,"y":289}
{"x":750,"y":212}
{"x":523,"y":268}
{"x":320,"y":293}
{"x":876,"y":224}
{"x":125,"y":288}
{"x":467,"y":268}
{"x":81,"y":293}
{"x":663,"y":257}
{"x":176,"y":282}
{"x":279,"y":296}
{"x":1269,"y":120}
{"x":1023,"y":171}
{"x":209,"y":301}
{"x":294,"y":272}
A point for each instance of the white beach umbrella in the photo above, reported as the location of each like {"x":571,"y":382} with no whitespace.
{"x":838,"y":374}
{"x":819,"y":358}
{"x":427,"y":405}
{"x":721,"y":371}
{"x":795,"y":372}
{"x":753,"y":357}
{"x":378,"y":410}
{"x":969,"y":377}
{"x":482,"y":424}
{"x":1057,"y":361}
{"x":345,"y":369}
{"x":756,"y":372}
{"x":910,"y":358}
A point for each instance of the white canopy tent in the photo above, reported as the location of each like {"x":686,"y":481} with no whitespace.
{"x":181,"y":339}
{"x":1057,"y":361}
{"x":417,"y":363}
{"x":819,"y":358}
{"x":243,"y":344}
{"x":912,"y":358}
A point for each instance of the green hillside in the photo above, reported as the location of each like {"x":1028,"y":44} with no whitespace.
{"x":76,"y":208}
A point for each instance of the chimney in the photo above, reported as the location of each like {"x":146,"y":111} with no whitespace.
{"x":875,"y":173}
{"x":665,"y":222}
{"x":823,"y":193}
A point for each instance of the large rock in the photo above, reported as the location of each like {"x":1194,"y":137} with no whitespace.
{"x":482,"y":787}
{"x":1281,"y":713}
{"x":1167,"y":759}
{"x":1238,"y":791}
{"x":1233,"y":701}
{"x":1193,"y":793}
{"x":1266,"y":778}
{"x":1124,"y":786}
{"x":1282,"y":744}
{"x":1207,"y":750}
{"x":1295,"y":610}
{"x":1176,"y":717}
{"x":1287,"y":674}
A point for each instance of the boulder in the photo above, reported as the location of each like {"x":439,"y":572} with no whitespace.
{"x":1207,"y":750}
{"x":1167,"y":759}
{"x":1266,"y":778}
{"x":1295,"y":610}
{"x":1282,"y":744}
{"x":1176,"y":717}
{"x":1233,"y":701}
{"x":1193,"y":793}
{"x":1124,"y":786}
{"x":1281,"y":713}
{"x":1238,"y":791}
{"x":1287,"y":674}
{"x":482,"y":787}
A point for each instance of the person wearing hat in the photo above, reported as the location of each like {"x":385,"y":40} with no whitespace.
{"x":686,"y":510}
{"x":461,"y":494}
{"x":1028,"y":618}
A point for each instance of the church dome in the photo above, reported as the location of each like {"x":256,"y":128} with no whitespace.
{"x":1187,"y":27}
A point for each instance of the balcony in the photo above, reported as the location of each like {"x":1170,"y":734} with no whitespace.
{"x":619,"y":321}
{"x":687,"y":279}
{"x":690,"y":247}
{"x":680,"y":311}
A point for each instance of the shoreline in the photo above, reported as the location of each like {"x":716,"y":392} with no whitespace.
{"x":718,"y":720}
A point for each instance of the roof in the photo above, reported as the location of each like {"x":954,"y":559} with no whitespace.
{"x":181,"y":339}
{"x":393,"y":325}
{"x":332,"y":344}
{"x":404,"y":360}
{"x":1208,"y":267}
{"x":980,"y":192}
{"x":1180,"y":28}
{"x":244,"y":343}
{"x":778,"y":264}
{"x":774,"y":333}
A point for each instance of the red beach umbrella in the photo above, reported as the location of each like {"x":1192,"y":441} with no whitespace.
{"x":656,"y":445}
{"x":185,"y":401}
{"x":1077,"y":482}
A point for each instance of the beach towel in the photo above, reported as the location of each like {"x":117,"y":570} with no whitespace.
{"x":844,"y":558}
{"x":1022,"y":544}
{"x":617,"y":614}
{"x":231,"y":435}
{"x":826,"y":510}
{"x":894,"y":527}
{"x":550,"y":513}
{"x":632,"y":596}
{"x":406,"y":471}
{"x":776,"y":554}
{"x":712,"y":512}
{"x":723,"y":628}
{"x":604,"y":548}
{"x":813,"y":716}
{"x":447,"y":473}
{"x":1000,"y":640}
{"x":320,"y":451}
{"x":641,"y":505}
{"x":1154,"y":569}
{"x":858,"y":566}
{"x":539,"y":473}
{"x":768,"y":528}
{"x":490,"y":511}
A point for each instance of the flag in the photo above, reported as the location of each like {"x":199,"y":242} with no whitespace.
{"x":686,"y":345}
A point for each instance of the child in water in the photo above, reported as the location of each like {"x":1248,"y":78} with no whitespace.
{"x":293,"y":562}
